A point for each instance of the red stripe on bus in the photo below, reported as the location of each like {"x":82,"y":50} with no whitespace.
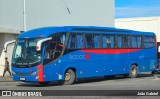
{"x":109,"y":51}
{"x":40,"y":73}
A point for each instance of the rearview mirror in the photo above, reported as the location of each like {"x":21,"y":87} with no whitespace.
{"x":39,"y":43}
{"x":7,"y":43}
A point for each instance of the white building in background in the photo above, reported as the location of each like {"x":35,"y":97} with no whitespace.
{"x":149,"y":24}
{"x":18,"y":15}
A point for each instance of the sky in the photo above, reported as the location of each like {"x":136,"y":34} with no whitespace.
{"x":136,"y":8}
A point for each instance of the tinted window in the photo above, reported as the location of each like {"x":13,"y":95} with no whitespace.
{"x":133,"y":42}
{"x":126,"y":41}
{"x":75,"y":41}
{"x":89,"y":41}
{"x":72,"y":41}
{"x":139,"y":41}
{"x":97,"y":41}
{"x":79,"y":41}
{"x":120,"y":41}
{"x":108,"y":41}
{"x":111,"y":41}
{"x":149,"y":42}
{"x":129,"y":41}
{"x":104,"y":41}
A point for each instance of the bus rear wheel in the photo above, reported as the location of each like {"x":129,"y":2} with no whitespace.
{"x":133,"y":71}
{"x":69,"y":77}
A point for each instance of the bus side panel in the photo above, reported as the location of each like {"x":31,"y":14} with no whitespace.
{"x":93,"y":65}
{"x":145,"y":59}
{"x":96,"y":64}
{"x":50,"y":72}
{"x":150,"y":57}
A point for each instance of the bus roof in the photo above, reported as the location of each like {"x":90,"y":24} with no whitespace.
{"x":47,"y":31}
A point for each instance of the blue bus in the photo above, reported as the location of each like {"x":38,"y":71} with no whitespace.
{"x":68,"y":53}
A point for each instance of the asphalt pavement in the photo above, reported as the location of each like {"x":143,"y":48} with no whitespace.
{"x":144,"y":82}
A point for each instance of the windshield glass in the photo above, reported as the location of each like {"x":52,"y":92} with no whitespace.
{"x":25,"y":53}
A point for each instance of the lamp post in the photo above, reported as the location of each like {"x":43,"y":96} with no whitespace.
{"x":24,"y":15}
{"x":66,"y":7}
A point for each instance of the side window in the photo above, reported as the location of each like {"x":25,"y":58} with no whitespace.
{"x":120,"y":41}
{"x":59,"y":38}
{"x":63,"y":38}
{"x":80,"y":41}
{"x":97,"y":41}
{"x":108,"y":41}
{"x":111,"y":39}
{"x":129,"y":41}
{"x":104,"y":41}
{"x":149,"y":42}
{"x":125,"y":41}
{"x":53,"y":48}
{"x":139,"y":41}
{"x":133,"y":41}
{"x":76,"y":41}
{"x":89,"y":41}
{"x":72,"y":41}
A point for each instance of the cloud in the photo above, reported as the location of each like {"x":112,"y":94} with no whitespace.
{"x":140,"y":11}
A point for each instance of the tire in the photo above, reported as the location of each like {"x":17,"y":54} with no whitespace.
{"x":126,"y":75}
{"x":69,"y":78}
{"x":154,"y":72}
{"x":133,"y":71}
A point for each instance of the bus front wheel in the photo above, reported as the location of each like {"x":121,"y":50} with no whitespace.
{"x":69,"y":77}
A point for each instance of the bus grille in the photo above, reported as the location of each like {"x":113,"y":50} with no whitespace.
{"x":23,"y":74}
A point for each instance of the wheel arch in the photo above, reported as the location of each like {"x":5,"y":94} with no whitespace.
{"x":72,"y":68}
{"x":136,"y":64}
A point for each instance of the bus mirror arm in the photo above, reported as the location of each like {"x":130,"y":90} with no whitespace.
{"x":39,"y":43}
{"x":6,"y":44}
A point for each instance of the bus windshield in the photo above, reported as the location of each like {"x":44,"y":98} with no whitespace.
{"x":25,"y":54}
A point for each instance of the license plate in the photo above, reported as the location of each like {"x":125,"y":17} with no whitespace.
{"x":22,"y":78}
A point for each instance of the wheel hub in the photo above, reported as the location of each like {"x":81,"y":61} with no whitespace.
{"x":133,"y":71}
{"x":67,"y":76}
